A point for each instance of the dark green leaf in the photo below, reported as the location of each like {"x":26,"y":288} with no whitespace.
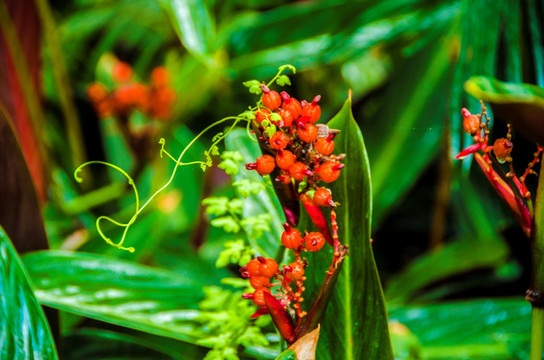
{"x":520,"y":104}
{"x":24,"y":332}
{"x":357,"y":303}
{"x":118,"y":291}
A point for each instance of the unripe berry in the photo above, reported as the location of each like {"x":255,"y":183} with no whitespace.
{"x":329,"y":171}
{"x":324,"y":146}
{"x":471,"y":123}
{"x":314,"y":241}
{"x":279,"y":141}
{"x":295,"y":271}
{"x":262,"y":114}
{"x":502,"y":149}
{"x":258,"y":297}
{"x":259,"y":282}
{"x":299,"y":171}
{"x":312,"y":110}
{"x":287,"y":117}
{"x":285,"y":159}
{"x":291,"y":104}
{"x":291,"y":238}
{"x":323,"y":197}
{"x":271,"y":98}
{"x":265,"y":165}
{"x":308,"y":134}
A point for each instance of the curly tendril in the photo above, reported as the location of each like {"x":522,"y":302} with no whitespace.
{"x":247,"y":116}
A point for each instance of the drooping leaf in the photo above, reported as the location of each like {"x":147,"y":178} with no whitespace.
{"x":520,"y":104}
{"x":118,"y":291}
{"x":24,"y":332}
{"x":357,"y":303}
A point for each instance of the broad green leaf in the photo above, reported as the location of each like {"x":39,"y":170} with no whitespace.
{"x":406,"y":137}
{"x":521,"y":104}
{"x":265,"y":202}
{"x":476,"y":329}
{"x":24,"y":332}
{"x":118,"y":291}
{"x":357,"y":303}
{"x":193,"y":24}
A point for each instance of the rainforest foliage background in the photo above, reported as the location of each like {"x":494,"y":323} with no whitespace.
{"x":453,"y":263}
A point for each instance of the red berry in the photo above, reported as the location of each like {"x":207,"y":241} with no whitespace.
{"x":299,"y":171}
{"x":258,"y":296}
{"x":258,"y":282}
{"x":324,"y":146}
{"x":314,"y":241}
{"x":291,"y":104}
{"x":285,"y":159}
{"x":291,"y":238}
{"x":308,"y":133}
{"x":312,"y":110}
{"x":265,"y":165}
{"x":287,"y":117}
{"x":271,"y":98}
{"x":295,"y":271}
{"x":323,"y":197}
{"x":329,"y":171}
{"x":279,"y":141}
{"x":262,"y":114}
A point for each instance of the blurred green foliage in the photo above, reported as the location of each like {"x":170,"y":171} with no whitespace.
{"x":439,"y":233}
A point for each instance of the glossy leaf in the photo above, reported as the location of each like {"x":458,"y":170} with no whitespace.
{"x":193,"y":24}
{"x":118,"y":291}
{"x":357,"y":302}
{"x":24,"y":332}
{"x":265,"y":202}
{"x":476,"y":329}
{"x":520,"y":104}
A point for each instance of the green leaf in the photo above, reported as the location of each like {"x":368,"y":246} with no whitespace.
{"x":283,"y":80}
{"x":262,"y":202}
{"x":520,"y":104}
{"x":193,"y":24}
{"x":24,"y":332}
{"x":228,"y":223}
{"x":357,"y":303}
{"x":118,"y":291}
{"x":216,"y":205}
{"x":448,"y":330}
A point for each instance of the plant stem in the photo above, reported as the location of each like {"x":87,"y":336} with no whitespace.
{"x":537,"y":331}
{"x":534,"y":294}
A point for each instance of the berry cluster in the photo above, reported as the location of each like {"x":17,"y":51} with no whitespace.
{"x":155,"y":100}
{"x":299,"y":153}
{"x":511,"y":188}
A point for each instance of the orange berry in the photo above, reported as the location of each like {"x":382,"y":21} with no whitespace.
{"x":329,"y":171}
{"x":295,"y":272}
{"x":122,"y":72}
{"x":258,"y":282}
{"x":287,"y":117}
{"x":269,"y":267}
{"x":279,"y":141}
{"x":502,"y":149}
{"x":291,"y":238}
{"x":258,"y":297}
{"x":283,"y":178}
{"x":324,"y":146}
{"x":265,"y":165}
{"x":285,"y":159}
{"x":471,"y":123}
{"x":323,"y":197}
{"x":97,"y":92}
{"x":271,"y":98}
{"x":314,"y":241}
{"x":299,"y":171}
{"x":253,"y":267}
{"x":291,"y":104}
{"x":160,"y":77}
{"x":262,"y":114}
{"x":312,"y":110}
{"x":308,"y":133}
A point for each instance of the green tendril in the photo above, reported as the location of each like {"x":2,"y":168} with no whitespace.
{"x":281,"y":69}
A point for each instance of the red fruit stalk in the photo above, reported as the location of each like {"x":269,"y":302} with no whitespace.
{"x":317,"y":217}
